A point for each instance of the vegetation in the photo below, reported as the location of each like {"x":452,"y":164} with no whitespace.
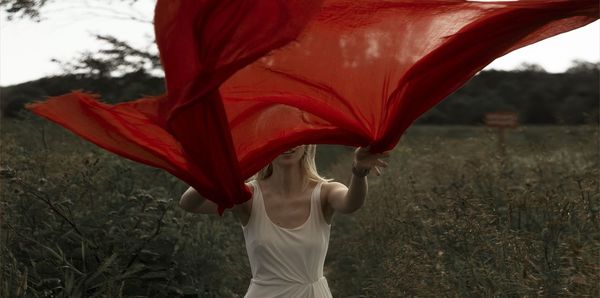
{"x":537,"y":96}
{"x":128,"y":87}
{"x":33,"y":9}
{"x":450,"y":217}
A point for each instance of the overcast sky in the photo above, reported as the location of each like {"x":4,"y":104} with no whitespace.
{"x":26,"y":47}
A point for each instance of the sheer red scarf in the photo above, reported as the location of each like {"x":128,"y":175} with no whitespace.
{"x":246,"y":80}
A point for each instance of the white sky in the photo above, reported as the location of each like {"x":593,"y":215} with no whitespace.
{"x":26,"y":47}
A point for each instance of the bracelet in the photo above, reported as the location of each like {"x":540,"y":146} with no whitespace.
{"x":360,"y":173}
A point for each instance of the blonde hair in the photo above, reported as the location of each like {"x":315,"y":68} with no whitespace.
{"x":307,"y":164}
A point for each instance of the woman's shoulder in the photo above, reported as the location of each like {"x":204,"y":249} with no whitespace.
{"x":333,"y":185}
{"x":243,"y":210}
{"x":250,"y":184}
{"x":330,"y":188}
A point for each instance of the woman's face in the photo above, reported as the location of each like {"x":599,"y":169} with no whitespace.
{"x":291,"y":156}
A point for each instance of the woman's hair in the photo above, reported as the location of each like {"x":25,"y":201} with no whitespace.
{"x":307,"y":164}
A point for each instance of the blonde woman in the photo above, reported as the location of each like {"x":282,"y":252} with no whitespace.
{"x":287,"y":222}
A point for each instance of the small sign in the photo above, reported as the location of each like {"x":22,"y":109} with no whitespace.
{"x":502,"y":119}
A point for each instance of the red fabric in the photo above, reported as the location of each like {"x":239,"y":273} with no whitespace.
{"x":248,"y":79}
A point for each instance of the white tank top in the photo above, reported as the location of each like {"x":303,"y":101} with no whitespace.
{"x":287,"y":262}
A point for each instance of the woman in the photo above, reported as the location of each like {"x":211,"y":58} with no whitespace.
{"x":286,"y":224}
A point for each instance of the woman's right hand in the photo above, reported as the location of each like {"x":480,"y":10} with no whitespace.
{"x":365,"y":160}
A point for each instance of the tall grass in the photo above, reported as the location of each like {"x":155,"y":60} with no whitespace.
{"x":80,"y":222}
{"x":453,"y":217}
{"x":450,"y":217}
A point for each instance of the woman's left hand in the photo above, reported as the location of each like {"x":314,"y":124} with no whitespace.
{"x":363,"y":159}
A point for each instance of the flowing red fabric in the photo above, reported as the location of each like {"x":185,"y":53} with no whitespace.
{"x":246,"y":80}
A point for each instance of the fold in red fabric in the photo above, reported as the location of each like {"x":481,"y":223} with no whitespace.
{"x":246,"y":80}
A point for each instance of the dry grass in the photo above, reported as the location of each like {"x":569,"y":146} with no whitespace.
{"x":452,"y":217}
{"x":449,"y":218}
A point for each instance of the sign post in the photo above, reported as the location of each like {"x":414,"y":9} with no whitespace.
{"x":501,"y":121}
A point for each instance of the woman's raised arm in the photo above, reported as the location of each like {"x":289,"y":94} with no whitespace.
{"x":192,"y":201}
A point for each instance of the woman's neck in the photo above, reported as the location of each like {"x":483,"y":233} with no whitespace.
{"x":287,"y":180}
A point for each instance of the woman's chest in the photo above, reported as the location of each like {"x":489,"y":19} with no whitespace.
{"x":290,"y":213}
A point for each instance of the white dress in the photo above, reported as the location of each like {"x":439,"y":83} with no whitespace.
{"x":287,"y":262}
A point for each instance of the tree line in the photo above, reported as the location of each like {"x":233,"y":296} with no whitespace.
{"x":537,"y":96}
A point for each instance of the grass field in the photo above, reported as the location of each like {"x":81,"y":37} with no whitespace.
{"x":450,"y":217}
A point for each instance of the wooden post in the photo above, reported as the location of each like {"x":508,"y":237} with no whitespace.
{"x":501,"y":121}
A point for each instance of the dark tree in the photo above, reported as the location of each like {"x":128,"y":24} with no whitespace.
{"x":117,"y":59}
{"x":32,"y":9}
{"x":23,"y":8}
